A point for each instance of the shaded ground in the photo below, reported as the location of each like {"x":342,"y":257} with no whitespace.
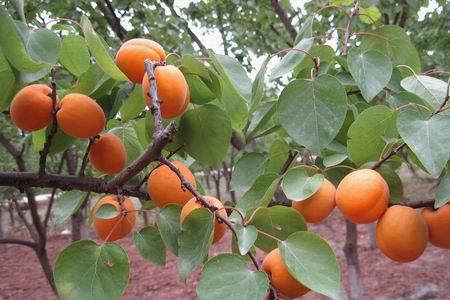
{"x":426,"y":278}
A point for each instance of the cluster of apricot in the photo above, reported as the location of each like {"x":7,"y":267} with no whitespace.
{"x":363,"y":197}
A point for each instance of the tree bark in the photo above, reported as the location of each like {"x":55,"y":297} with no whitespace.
{"x":12,"y":219}
{"x":351,"y":255}
{"x":41,"y":253}
{"x":2,"y":232}
{"x":373,"y":236}
{"x":284,"y":18}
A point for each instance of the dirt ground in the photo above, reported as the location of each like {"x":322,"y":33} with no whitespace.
{"x":426,"y":278}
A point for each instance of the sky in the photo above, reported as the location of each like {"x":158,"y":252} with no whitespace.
{"x":213,"y":40}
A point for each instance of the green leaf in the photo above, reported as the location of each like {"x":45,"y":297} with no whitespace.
{"x":443,"y":192}
{"x":42,"y":45}
{"x":99,"y":50}
{"x":371,"y":70}
{"x":369,"y":15}
{"x":260,"y":194}
{"x":427,"y":137}
{"x":89,"y":81}
{"x":131,"y":142}
{"x":236,"y":281}
{"x":133,"y":105}
{"x":292,"y":58}
{"x":428,"y":88}
{"x":168,"y":221}
{"x":342,"y":2}
{"x":404,"y":98}
{"x":234,"y":105}
{"x":85,"y":270}
{"x":305,"y":31}
{"x":150,"y":245}
{"x":366,"y":136}
{"x":20,"y":9}
{"x":233,"y":74}
{"x":246,"y":170}
{"x":324,"y":52}
{"x":195,"y":66}
{"x":299,"y":185}
{"x":7,"y":82}
{"x":13,"y":47}
{"x":38,"y":138}
{"x":278,"y":221}
{"x":392,"y":40}
{"x":60,"y":141}
{"x":311,"y":261}
{"x":334,"y":160}
{"x":394,"y":183}
{"x":106,"y":211}
{"x":246,"y":237}
{"x":313,"y":111}
{"x":140,"y":130}
{"x":278,"y":154}
{"x":194,"y":240}
{"x":199,"y":91}
{"x":261,"y":118}
{"x":75,"y":54}
{"x":66,"y":205}
{"x":258,"y":85}
{"x":206,"y":122}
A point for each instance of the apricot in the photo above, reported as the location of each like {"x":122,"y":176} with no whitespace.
{"x":172,"y":90}
{"x":402,"y":234}
{"x":164,"y":186}
{"x":108,"y":154}
{"x":319,"y":206}
{"x":219,"y":228}
{"x":31,"y":107}
{"x":362,"y":196}
{"x":280,"y":277}
{"x":438,"y":222}
{"x":118,"y":227}
{"x":80,"y":116}
{"x":131,"y":56}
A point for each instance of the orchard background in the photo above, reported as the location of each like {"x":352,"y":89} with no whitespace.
{"x":305,"y":97}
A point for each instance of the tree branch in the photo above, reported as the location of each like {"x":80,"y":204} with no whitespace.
{"x":283,"y":17}
{"x":53,"y":130}
{"x":65,"y":183}
{"x":86,"y":155}
{"x":348,"y":32}
{"x":24,"y":220}
{"x":30,"y":244}
{"x":111,"y":18}
{"x":161,"y":136}
{"x":390,"y":154}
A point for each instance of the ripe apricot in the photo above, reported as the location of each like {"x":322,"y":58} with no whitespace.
{"x":31,"y":107}
{"x":319,"y":206}
{"x":402,"y":233}
{"x":438,"y":225}
{"x":219,"y":228}
{"x":80,"y":116}
{"x":171,"y":88}
{"x":118,"y":227}
{"x":280,"y":277}
{"x":131,"y":56}
{"x":164,"y":186}
{"x":108,"y":154}
{"x":362,"y":196}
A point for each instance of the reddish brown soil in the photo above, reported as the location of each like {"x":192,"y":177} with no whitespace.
{"x":426,"y":278}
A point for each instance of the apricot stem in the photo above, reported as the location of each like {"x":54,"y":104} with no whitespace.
{"x":269,"y":235}
{"x":53,"y":129}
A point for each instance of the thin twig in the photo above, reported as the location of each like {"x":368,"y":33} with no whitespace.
{"x":52,"y":197}
{"x":31,"y":244}
{"x":389,"y":155}
{"x":53,"y":129}
{"x":86,"y":155}
{"x":25,"y":221}
{"x":348,"y":32}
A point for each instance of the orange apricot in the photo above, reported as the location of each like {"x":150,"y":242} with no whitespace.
{"x":108,"y":154}
{"x":31,"y":107}
{"x":362,"y":196}
{"x":280,"y":277}
{"x":438,"y":222}
{"x":80,"y":116}
{"x":219,"y":228}
{"x":172,"y":90}
{"x":402,"y":233}
{"x":164,"y":186}
{"x":131,"y":56}
{"x":320,"y":205}
{"x":118,"y":227}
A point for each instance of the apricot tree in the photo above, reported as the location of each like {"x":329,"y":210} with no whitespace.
{"x":344,"y":122}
